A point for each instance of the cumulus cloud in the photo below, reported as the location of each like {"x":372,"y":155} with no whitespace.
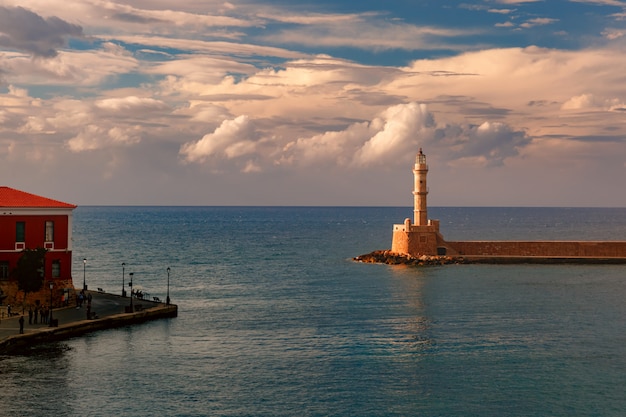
{"x":388,"y":136}
{"x":491,"y":143}
{"x":391,"y":136}
{"x":334,"y":147}
{"x":232,"y":139}
{"x":17,"y":92}
{"x":89,"y":125}
{"x":399,"y":130}
{"x":591,"y":102}
{"x":93,"y":137}
{"x":393,"y":132}
{"x":583,"y":101}
{"x":24,"y":30}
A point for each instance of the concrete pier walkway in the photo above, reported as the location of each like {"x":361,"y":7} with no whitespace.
{"x":110,"y":311}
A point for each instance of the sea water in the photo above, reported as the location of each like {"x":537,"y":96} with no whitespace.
{"x":276,"y":320}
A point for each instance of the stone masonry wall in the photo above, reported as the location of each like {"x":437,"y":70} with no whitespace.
{"x":540,"y":248}
{"x":417,"y":243}
{"x":15,"y":297}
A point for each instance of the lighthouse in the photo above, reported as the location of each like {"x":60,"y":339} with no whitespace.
{"x":420,"y":190}
{"x":421,"y":236}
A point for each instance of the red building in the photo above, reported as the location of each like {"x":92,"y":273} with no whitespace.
{"x":28,"y":221}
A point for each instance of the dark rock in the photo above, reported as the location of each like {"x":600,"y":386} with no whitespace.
{"x":392,"y":258}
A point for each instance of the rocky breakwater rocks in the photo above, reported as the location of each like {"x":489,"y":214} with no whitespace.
{"x":392,"y":258}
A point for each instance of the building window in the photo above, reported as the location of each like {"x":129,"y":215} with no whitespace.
{"x":4,"y":269}
{"x":56,"y":269}
{"x":20,"y":232}
{"x":49,"y":231}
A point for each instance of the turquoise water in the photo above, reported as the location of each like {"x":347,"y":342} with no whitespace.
{"x":275,"y":320}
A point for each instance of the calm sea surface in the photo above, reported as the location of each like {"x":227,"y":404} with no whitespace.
{"x":275,"y":320}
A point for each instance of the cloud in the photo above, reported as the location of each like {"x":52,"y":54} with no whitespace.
{"x":491,"y":143}
{"x":316,"y":18}
{"x":539,"y":21}
{"x":399,"y":131}
{"x":387,"y":137}
{"x":68,"y":68}
{"x":516,"y":1}
{"x":329,"y":148}
{"x":232,"y":139}
{"x":149,"y":18}
{"x":88,"y":125}
{"x":93,"y":137}
{"x":152,"y":86}
{"x":592,"y":102}
{"x":365,"y":33}
{"x":26,"y":31}
{"x":154,"y":18}
{"x":502,"y":11}
{"x":131,"y":103}
{"x":583,"y":101}
{"x":392,"y":136}
{"x":618,"y":3}
{"x":211,"y":48}
{"x":613,"y":34}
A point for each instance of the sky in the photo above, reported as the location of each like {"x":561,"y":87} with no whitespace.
{"x":325,"y":103}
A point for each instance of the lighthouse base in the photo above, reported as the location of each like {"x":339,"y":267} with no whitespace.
{"x":417,"y":240}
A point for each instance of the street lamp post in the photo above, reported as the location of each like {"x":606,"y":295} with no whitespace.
{"x":167,"y":299}
{"x":123,"y":289}
{"x":51,"y":286}
{"x":84,"y":274}
{"x":130,"y":284}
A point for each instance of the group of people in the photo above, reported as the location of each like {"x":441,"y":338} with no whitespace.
{"x":41,"y":313}
{"x":81,"y":298}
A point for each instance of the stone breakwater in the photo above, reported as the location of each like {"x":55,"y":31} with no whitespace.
{"x":392,"y":258}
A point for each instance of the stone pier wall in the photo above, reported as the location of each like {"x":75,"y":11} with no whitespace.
{"x":578,"y":249}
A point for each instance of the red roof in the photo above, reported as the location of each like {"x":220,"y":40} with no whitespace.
{"x":10,"y":197}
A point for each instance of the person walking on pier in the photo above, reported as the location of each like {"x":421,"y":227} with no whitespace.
{"x":21,"y":324}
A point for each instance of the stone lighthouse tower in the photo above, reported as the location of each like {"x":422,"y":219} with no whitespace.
{"x":420,"y":237}
{"x":420,"y":190}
